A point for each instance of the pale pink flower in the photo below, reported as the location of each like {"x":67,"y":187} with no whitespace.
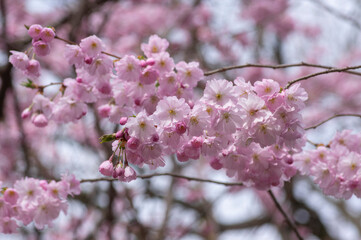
{"x":199,"y":120}
{"x":29,"y":191}
{"x":219,"y":92}
{"x":11,"y":196}
{"x":266,"y":87}
{"x":8,"y":225}
{"x":73,"y":184}
{"x":19,"y":60}
{"x":47,"y":34}
{"x":78,"y":91}
{"x":34,"y":31}
{"x":57,"y":189}
{"x":32,"y":69}
{"x":101,"y":65}
{"x":106,"y":168}
{"x":141,"y":126}
{"x":295,"y":96}
{"x":46,"y":211}
{"x":68,"y":110}
{"x":171,"y":109}
{"x":163,"y":63}
{"x":149,"y":75}
{"x":128,"y":175}
{"x":349,"y":165}
{"x":74,"y":55}
{"x":128,"y":68}
{"x":41,"y":48}
{"x":42,"y":104}
{"x":155,"y":45}
{"x":92,"y":46}
{"x":189,"y":73}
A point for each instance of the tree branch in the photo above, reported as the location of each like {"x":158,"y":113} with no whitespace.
{"x":167,"y":174}
{"x":280,"y":66}
{"x":335,"y":116}
{"x":288,"y":220}
{"x":320,"y":73}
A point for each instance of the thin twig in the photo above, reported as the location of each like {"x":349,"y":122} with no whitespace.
{"x":335,"y":116}
{"x":320,"y":73}
{"x":168,"y":174}
{"x":248,"y":65}
{"x":288,"y":220}
{"x":74,"y":43}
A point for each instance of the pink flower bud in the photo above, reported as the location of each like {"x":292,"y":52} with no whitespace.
{"x":19,"y":59}
{"x":47,"y":34}
{"x":137,"y":101}
{"x":26,"y":113}
{"x":79,"y":80}
{"x":155,"y":137}
{"x":118,"y":171}
{"x":34,"y":31}
{"x":150,"y":61}
{"x":88,"y":60}
{"x":33,"y":69}
{"x":180,"y":127}
{"x":197,"y":142}
{"x":123,"y":120}
{"x":39,"y":120}
{"x":106,"y":168}
{"x":133,"y":143}
{"x":129,"y":174}
{"x":182,"y":157}
{"x":11,"y":196}
{"x":216,"y":164}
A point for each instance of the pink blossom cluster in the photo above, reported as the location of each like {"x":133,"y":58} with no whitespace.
{"x":336,"y":168}
{"x":33,"y":200}
{"x":40,"y":43}
{"x":249,"y":130}
{"x":42,"y":36}
{"x":29,"y":67}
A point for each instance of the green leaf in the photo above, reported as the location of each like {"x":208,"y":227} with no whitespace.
{"x":107,"y":138}
{"x":29,"y":84}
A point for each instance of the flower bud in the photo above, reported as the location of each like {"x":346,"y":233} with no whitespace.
{"x":155,"y":137}
{"x":26,"y":113}
{"x":39,"y":120}
{"x":133,"y":143}
{"x":180,"y":127}
{"x":88,"y":60}
{"x":106,"y":168}
{"x":11,"y":196}
{"x":197,"y":142}
{"x":47,"y":34}
{"x":216,"y":164}
{"x":123,"y":120}
{"x":34,"y":31}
